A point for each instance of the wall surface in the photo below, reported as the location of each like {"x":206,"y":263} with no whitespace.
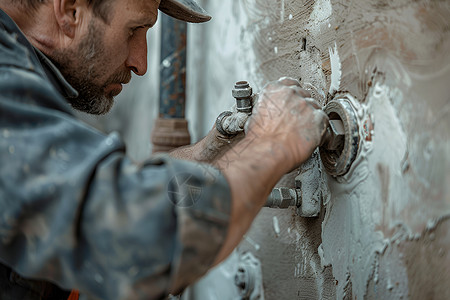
{"x":384,"y":229}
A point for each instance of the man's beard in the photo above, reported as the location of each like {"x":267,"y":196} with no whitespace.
{"x":83,"y":66}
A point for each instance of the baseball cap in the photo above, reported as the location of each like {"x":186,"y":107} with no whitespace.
{"x":184,"y":10}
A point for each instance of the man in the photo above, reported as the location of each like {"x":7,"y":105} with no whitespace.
{"x":74,"y":210}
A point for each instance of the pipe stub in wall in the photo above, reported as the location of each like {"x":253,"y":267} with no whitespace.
{"x":337,"y":162}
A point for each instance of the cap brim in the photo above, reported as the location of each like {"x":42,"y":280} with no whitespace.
{"x":184,"y":10}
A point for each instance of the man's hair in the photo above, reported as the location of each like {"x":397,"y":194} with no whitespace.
{"x":101,"y":8}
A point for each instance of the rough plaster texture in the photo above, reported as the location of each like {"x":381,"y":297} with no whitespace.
{"x":385,"y":233}
{"x":384,"y":230}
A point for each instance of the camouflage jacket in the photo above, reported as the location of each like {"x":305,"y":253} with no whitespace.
{"x":75,"y":211}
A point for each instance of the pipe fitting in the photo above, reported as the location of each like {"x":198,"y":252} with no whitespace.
{"x":219,"y":124}
{"x":282,"y":198}
{"x":242,"y":92}
{"x":306,"y":196}
{"x":248,"y":277}
{"x":338,"y":158}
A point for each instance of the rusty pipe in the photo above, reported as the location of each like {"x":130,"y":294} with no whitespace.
{"x":171,"y":128}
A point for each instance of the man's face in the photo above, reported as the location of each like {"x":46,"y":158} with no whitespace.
{"x":101,"y":60}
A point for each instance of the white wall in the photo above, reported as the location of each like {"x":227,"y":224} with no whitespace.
{"x":217,"y":58}
{"x":384,"y":231}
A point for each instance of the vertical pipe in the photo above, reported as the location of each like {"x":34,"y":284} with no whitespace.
{"x":171,"y":128}
{"x":173,"y":69}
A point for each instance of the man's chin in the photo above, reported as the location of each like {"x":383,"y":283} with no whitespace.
{"x":105,"y":106}
{"x":99,"y":106}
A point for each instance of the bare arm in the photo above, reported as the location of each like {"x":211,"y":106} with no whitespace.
{"x":283,"y":132}
{"x":210,"y":148}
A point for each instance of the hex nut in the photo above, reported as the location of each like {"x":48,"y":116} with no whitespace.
{"x":282,"y":197}
{"x":337,"y":137}
{"x":242,"y":93}
{"x":242,"y":90}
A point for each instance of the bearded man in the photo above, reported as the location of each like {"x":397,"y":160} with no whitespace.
{"x":75,"y":212}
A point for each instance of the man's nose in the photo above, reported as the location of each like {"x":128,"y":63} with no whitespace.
{"x":137,"y":56}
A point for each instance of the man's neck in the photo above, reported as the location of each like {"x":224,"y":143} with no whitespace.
{"x":15,"y":12}
{"x":36,"y":31}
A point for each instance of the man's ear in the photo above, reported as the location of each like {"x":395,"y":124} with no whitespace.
{"x":68,"y":13}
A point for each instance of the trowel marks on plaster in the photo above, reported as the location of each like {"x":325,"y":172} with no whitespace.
{"x":320,"y":15}
{"x":372,"y":208}
{"x":391,"y":190}
{"x":351,"y":236}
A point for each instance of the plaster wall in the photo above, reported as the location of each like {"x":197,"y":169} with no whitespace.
{"x":384,"y":230}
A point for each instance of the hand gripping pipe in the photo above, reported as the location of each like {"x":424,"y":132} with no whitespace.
{"x":338,"y":151}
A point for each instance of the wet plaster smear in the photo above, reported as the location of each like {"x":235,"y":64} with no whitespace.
{"x":383,"y":232}
{"x":384,"y":229}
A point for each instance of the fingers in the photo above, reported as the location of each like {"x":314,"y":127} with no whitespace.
{"x":287,"y":82}
{"x":295,"y":85}
{"x":300,"y":91}
{"x":286,"y":114}
{"x":235,"y":122}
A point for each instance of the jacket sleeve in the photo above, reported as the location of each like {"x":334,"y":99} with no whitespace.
{"x":76,"y":211}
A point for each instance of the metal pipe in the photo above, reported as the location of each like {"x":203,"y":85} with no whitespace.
{"x":282,"y":197}
{"x":172,"y":97}
{"x":171,"y":128}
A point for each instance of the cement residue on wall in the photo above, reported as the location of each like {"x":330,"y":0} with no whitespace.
{"x":290,"y":263}
{"x":384,"y":231}
{"x":394,"y":59}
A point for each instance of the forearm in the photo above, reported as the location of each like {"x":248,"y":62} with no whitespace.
{"x":252,"y":169}
{"x":186,"y":152}
{"x":283,"y":132}
{"x":208,"y":149}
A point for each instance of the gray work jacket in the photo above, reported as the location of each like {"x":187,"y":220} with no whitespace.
{"x":74,"y":210}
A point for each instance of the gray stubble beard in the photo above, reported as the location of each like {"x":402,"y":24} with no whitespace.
{"x":82,"y":73}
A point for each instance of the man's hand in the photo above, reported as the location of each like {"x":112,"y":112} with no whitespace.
{"x":283,"y":131}
{"x":286,"y":115}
